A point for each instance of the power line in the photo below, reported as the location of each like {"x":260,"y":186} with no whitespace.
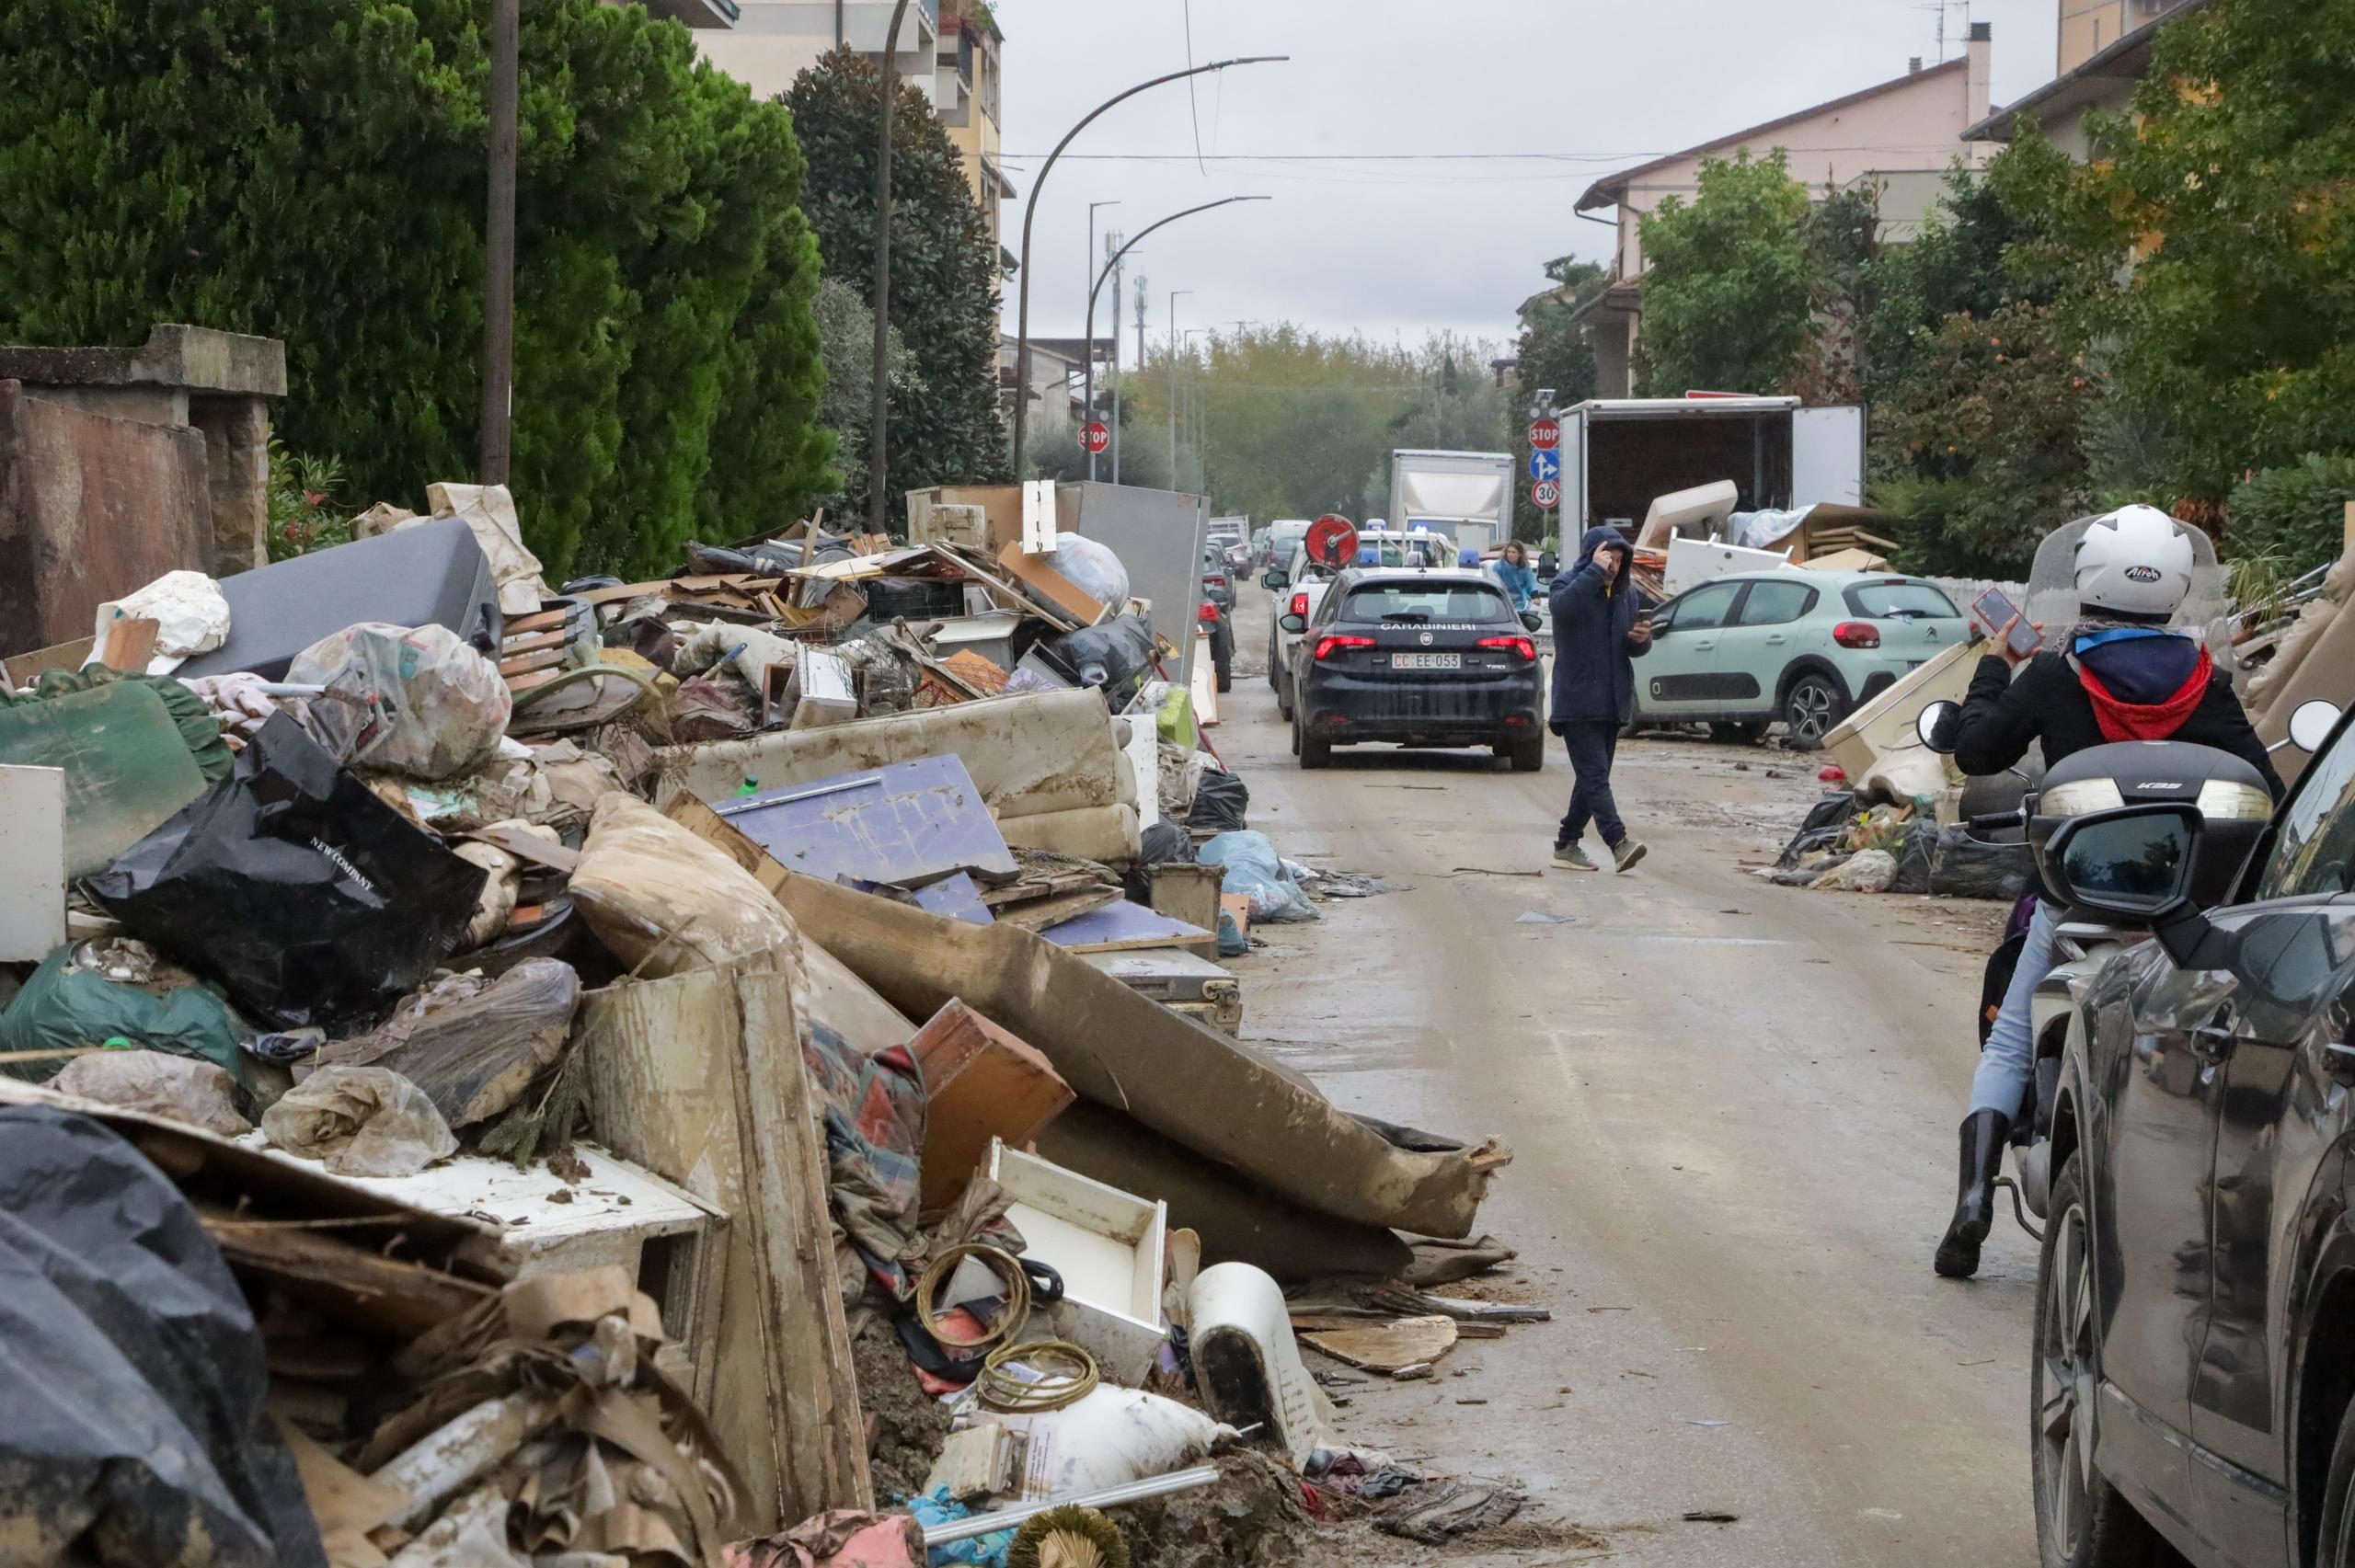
{"x":1357,"y":157}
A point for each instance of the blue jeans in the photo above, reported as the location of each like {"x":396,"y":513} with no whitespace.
{"x":2007,"y":1062}
{"x":1593,"y":746}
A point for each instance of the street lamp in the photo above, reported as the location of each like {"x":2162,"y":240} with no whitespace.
{"x":1173,"y":381}
{"x":1087,"y":347}
{"x":879,"y":518}
{"x":1098,"y":285}
{"x":1030,"y":211}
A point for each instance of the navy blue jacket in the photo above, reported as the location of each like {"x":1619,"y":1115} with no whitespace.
{"x":1593,"y":682}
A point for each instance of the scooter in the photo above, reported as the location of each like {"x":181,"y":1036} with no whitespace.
{"x":2103,"y":777}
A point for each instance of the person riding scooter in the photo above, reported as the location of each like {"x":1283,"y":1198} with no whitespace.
{"x":2120,"y":674}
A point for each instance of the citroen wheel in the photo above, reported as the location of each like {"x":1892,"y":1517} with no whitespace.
{"x":1813,"y":705}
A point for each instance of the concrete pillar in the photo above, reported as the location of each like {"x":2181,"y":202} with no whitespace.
{"x":237,"y":453}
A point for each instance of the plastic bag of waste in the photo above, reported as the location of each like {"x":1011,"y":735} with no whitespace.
{"x":192,"y":617}
{"x":289,"y":881}
{"x":1111,"y":654}
{"x":470,"y":1045}
{"x":416,"y":701}
{"x":1969,"y":868}
{"x":92,"y":993}
{"x":1252,"y":868}
{"x":661,"y":900}
{"x":177,"y":1088}
{"x":1091,"y":568}
{"x":1915,"y":857}
{"x":1220,"y":802}
{"x":137,"y":1430}
{"x":1825,"y":824}
{"x":1867,"y":871}
{"x":1110,"y":1437}
{"x":360,"y":1121}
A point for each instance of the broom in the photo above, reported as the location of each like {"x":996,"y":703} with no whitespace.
{"x":1068,"y":1538}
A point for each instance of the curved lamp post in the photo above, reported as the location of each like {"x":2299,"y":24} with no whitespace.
{"x":1030,"y":211}
{"x":1115,"y":261}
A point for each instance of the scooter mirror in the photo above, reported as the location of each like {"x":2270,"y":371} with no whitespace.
{"x":2310,"y":724}
{"x":1936,"y":725}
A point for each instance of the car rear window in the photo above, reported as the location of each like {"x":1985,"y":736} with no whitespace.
{"x":1898,"y":599}
{"x":1427,"y":605}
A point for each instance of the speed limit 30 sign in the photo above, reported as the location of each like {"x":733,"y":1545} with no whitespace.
{"x":1546,"y":495}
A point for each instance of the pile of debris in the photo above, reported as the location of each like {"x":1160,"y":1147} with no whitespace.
{"x":545,"y":1036}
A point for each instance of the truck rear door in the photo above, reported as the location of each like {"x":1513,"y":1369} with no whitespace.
{"x":1827,"y":456}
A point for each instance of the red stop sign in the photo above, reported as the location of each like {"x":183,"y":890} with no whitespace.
{"x":1094,"y":436}
{"x":1545,"y":435}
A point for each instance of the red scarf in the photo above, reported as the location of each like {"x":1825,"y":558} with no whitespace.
{"x":2122,"y":720}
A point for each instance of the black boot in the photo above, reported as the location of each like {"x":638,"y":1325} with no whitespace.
{"x":1983,"y":1135}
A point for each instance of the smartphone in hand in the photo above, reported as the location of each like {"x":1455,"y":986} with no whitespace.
{"x":1996,"y":610}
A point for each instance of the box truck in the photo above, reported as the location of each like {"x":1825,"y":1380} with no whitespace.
{"x":1619,"y":454}
{"x":1466,"y":494}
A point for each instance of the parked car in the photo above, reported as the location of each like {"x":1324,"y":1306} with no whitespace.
{"x":1798,"y":648}
{"x":1218,"y":578}
{"x":2192,"y":1384}
{"x":1283,"y":536}
{"x":1217,"y":626}
{"x":1417,"y":656}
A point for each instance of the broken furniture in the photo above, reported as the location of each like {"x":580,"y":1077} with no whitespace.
{"x":981,"y":1086}
{"x":1107,"y":1245}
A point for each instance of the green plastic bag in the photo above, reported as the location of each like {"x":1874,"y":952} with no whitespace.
{"x":64,"y":1006}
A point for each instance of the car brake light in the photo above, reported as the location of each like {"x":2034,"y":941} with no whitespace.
{"x":1210,"y":611}
{"x":1520,"y":646}
{"x":1299,"y":604}
{"x":1857,"y":634}
{"x":1214,"y":579}
{"x":1324,"y":645}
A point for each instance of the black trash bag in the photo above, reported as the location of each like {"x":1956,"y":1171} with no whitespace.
{"x":1110,"y":655}
{"x":717,"y":560}
{"x":1915,"y":857}
{"x":310,"y":899}
{"x":136,"y":1429}
{"x":1970,"y":868}
{"x":1166,"y":843}
{"x":1220,"y":802}
{"x":1826,"y":825}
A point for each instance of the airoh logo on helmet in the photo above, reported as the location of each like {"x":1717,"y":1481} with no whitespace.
{"x":2143,"y":573}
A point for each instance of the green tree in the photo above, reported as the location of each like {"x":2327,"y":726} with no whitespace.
{"x":187,"y":160}
{"x":1730,"y":297}
{"x":1842,"y":245}
{"x":846,"y":336}
{"x":2228,"y":186}
{"x":946,"y":426}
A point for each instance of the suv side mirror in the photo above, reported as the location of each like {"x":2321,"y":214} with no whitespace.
{"x":1291,"y":623}
{"x":1532,"y":621}
{"x":1936,"y":725}
{"x":2136,"y":864}
{"x":1275,"y":579}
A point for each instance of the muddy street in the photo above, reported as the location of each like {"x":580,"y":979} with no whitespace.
{"x":1732,"y":1106}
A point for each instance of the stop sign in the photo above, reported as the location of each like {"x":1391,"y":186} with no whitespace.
{"x":1095,"y":435}
{"x":1545,"y":435}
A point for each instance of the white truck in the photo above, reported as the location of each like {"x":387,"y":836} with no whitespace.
{"x":1619,"y":454}
{"x":1466,"y":494}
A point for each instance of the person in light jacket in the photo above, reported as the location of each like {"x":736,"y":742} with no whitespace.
{"x":1598,"y":629}
{"x":1518,"y":577}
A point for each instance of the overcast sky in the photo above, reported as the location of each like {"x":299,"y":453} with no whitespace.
{"x":1573,"y":88}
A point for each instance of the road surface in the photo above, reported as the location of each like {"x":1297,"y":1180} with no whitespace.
{"x":1733,"y":1109}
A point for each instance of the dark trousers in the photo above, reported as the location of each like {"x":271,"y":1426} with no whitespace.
{"x":1593,"y":744}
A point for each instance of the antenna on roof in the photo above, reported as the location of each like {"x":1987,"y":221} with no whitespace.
{"x":1942,"y":7}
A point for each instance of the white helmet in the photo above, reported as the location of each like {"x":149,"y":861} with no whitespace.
{"x":2136,"y":561}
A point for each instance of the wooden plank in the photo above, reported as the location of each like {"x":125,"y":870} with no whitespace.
{"x":130,"y":643}
{"x":1059,"y":590}
{"x":699,"y":1077}
{"x":1037,"y":914}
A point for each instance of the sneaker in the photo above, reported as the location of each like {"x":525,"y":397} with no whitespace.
{"x":1625,"y":853}
{"x":1572,"y":857}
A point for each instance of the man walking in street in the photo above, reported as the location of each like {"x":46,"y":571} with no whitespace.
{"x":1597,"y":631}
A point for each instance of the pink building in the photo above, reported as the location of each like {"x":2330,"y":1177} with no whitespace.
{"x":1899,"y":136}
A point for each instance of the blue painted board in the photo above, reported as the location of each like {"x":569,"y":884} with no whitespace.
{"x":907,"y":824}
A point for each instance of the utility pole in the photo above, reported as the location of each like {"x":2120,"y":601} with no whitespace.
{"x":1141,"y":282}
{"x":1173,"y":381}
{"x":1087,"y":418}
{"x":879,"y":515}
{"x":499,"y":251}
{"x":1112,"y":243}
